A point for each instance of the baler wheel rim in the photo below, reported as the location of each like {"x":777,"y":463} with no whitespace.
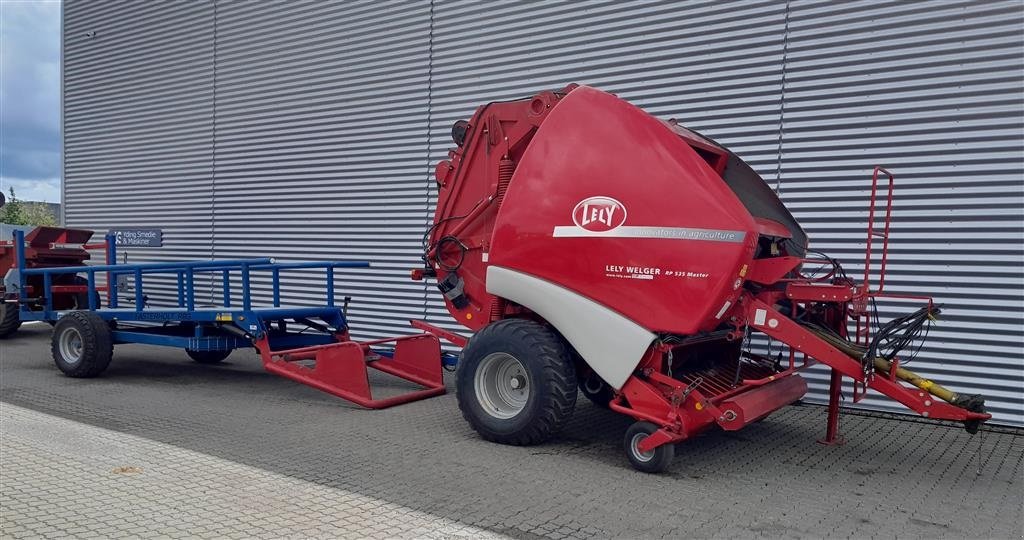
{"x":502,"y":385}
{"x":654,"y":461}
{"x":549,"y":375}
{"x":634,"y":448}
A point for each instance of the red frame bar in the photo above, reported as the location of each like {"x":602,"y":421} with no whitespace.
{"x":781,"y":327}
{"x":835,"y":389}
{"x":872,"y":233}
{"x":450,"y":337}
{"x":61,"y":289}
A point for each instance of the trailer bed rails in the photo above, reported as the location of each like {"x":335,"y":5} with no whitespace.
{"x":308,"y":344}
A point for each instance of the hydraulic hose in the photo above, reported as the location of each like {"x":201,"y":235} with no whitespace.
{"x":972,"y":403}
{"x":927,"y":385}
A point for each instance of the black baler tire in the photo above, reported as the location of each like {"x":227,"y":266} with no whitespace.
{"x":602,"y":397}
{"x":9,"y":319}
{"x":207,"y":357}
{"x":552,"y":379}
{"x":97,"y":345}
{"x":663,"y":454}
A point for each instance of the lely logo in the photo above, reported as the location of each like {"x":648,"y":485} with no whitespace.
{"x":599,"y":214}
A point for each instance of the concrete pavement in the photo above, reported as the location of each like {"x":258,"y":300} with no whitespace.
{"x":230,"y":450}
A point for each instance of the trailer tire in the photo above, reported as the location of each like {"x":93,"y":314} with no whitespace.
{"x":81,"y":345}
{"x":516,"y":383}
{"x":656,"y":460}
{"x":10,"y":321}
{"x":208,"y":357}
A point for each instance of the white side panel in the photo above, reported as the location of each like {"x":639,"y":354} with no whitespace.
{"x":611,"y":344}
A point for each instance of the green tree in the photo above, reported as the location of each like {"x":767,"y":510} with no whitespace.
{"x":17,"y":212}
{"x":11,"y":212}
{"x":37,"y":213}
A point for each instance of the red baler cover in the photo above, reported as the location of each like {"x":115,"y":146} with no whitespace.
{"x":635,"y":213}
{"x":608,"y":201}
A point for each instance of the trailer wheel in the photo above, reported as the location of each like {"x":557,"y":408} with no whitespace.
{"x":208,"y":357}
{"x":516,"y":383}
{"x":9,"y":319}
{"x":654,"y":461}
{"x":82,"y":346}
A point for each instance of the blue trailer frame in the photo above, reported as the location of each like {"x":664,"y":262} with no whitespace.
{"x":320,"y":354}
{"x":234,"y":324}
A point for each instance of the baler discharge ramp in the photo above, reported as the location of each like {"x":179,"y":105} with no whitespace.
{"x":341,"y":369}
{"x":588,"y":243}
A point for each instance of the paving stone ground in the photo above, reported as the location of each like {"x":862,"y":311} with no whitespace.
{"x":63,"y":477}
{"x":162,"y":447}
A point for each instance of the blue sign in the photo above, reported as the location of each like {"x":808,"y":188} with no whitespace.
{"x":138,"y":237}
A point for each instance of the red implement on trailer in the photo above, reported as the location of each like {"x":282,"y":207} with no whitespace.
{"x":590,"y":244}
{"x":45,"y":247}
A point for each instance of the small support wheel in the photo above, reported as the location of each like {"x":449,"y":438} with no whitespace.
{"x":81,"y":345}
{"x":208,"y":357}
{"x":653,"y":461}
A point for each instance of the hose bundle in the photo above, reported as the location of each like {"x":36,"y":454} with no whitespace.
{"x":900,"y":333}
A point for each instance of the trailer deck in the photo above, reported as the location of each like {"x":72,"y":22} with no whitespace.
{"x":308,"y":344}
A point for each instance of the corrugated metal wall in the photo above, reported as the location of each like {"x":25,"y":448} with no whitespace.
{"x":932,"y":91}
{"x":308,"y":129}
{"x":138,"y":124}
{"x":138,"y":120}
{"x":321,"y":122}
{"x":714,"y":66}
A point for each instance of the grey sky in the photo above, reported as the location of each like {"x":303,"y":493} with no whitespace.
{"x":30,"y":144}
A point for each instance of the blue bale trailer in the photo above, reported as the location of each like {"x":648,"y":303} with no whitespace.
{"x":308,"y":344}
